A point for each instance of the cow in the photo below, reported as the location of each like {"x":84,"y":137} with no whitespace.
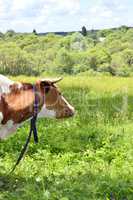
{"x":17,"y":103}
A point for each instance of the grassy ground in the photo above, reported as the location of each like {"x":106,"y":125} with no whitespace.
{"x":88,"y":157}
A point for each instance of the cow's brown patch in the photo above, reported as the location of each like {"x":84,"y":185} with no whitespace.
{"x":18,"y":104}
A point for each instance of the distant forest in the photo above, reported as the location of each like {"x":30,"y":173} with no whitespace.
{"x":108,"y":51}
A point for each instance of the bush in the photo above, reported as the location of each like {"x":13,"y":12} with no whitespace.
{"x":64,"y":61}
{"x":15,"y":62}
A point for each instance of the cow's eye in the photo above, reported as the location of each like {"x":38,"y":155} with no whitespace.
{"x":47,"y":89}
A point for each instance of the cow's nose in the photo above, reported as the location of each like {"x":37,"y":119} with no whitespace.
{"x":72,"y":112}
{"x":69,"y":112}
{"x":66,"y":112}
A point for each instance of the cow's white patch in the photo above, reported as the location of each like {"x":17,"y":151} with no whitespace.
{"x":1,"y":117}
{"x":5,"y":80}
{"x":47,"y":113}
{"x":5,"y":84}
{"x":9,"y":124}
{"x":8,"y":129}
{"x":19,"y":85}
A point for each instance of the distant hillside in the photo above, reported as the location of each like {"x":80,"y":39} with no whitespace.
{"x":91,"y":32}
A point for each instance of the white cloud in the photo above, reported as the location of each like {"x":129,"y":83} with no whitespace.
{"x":105,"y":14}
{"x":57,"y":15}
{"x":1,"y":8}
{"x":101,"y":11}
{"x":28,"y":14}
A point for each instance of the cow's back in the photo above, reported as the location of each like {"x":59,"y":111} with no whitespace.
{"x":5,"y":84}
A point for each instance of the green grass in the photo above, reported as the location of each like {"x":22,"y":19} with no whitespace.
{"x":88,"y":157}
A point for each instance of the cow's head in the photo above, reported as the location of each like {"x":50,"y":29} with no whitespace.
{"x":54,"y":104}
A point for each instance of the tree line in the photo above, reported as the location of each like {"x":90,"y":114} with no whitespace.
{"x":107,"y":51}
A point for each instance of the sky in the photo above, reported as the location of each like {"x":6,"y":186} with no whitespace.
{"x":64,"y":15}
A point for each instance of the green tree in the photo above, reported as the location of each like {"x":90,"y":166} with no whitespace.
{"x":84,"y":31}
{"x":64,"y":61}
{"x":1,"y":35}
{"x":34,"y":31}
{"x":10,"y":33}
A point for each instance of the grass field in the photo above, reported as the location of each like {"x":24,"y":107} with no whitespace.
{"x":88,"y":157}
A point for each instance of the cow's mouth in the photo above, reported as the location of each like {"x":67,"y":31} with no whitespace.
{"x":65,"y":113}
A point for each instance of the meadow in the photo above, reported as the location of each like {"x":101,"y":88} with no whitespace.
{"x":87,"y":157}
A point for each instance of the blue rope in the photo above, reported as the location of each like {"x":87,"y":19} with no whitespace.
{"x":33,"y":129}
{"x":34,"y":118}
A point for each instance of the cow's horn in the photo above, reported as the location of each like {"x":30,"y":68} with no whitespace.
{"x":56,"y":80}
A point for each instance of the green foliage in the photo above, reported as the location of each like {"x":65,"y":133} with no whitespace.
{"x":87,"y":157}
{"x":10,"y":33}
{"x":105,"y":32}
{"x":15,"y":61}
{"x":1,"y":35}
{"x":100,"y":51}
{"x":64,"y":61}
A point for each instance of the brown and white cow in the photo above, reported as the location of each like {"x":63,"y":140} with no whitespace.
{"x":17,"y":103}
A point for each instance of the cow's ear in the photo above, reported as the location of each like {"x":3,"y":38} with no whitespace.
{"x":44,"y":85}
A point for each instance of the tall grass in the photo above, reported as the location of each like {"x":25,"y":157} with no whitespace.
{"x":88,"y":157}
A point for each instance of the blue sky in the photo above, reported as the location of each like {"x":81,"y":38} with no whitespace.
{"x":64,"y":15}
